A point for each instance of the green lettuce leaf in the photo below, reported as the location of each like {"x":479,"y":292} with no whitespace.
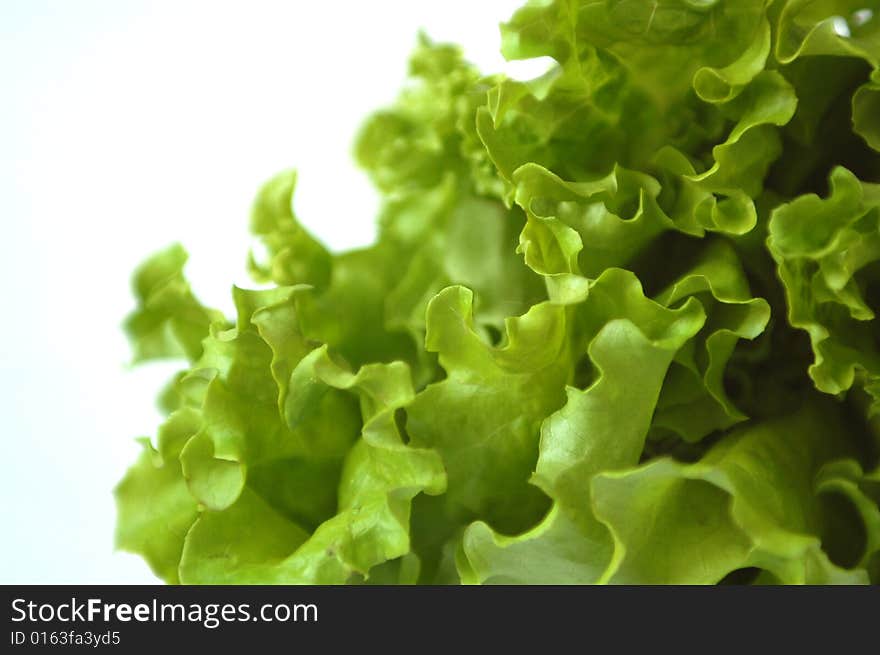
{"x":589,"y":344}
{"x":809,"y":28}
{"x":483,"y":418}
{"x":170,"y":321}
{"x":603,"y":426}
{"x":751,"y":502}
{"x":824,"y":249}
{"x":154,"y":506}
{"x":693,"y":401}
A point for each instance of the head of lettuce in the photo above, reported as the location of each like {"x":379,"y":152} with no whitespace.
{"x":618,"y":325}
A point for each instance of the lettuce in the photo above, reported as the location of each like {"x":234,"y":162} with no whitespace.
{"x":618,"y":325}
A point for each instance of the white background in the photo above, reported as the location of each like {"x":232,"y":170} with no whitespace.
{"x":127,"y":125}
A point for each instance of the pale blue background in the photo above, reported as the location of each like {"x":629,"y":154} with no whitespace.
{"x":124,"y":126}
